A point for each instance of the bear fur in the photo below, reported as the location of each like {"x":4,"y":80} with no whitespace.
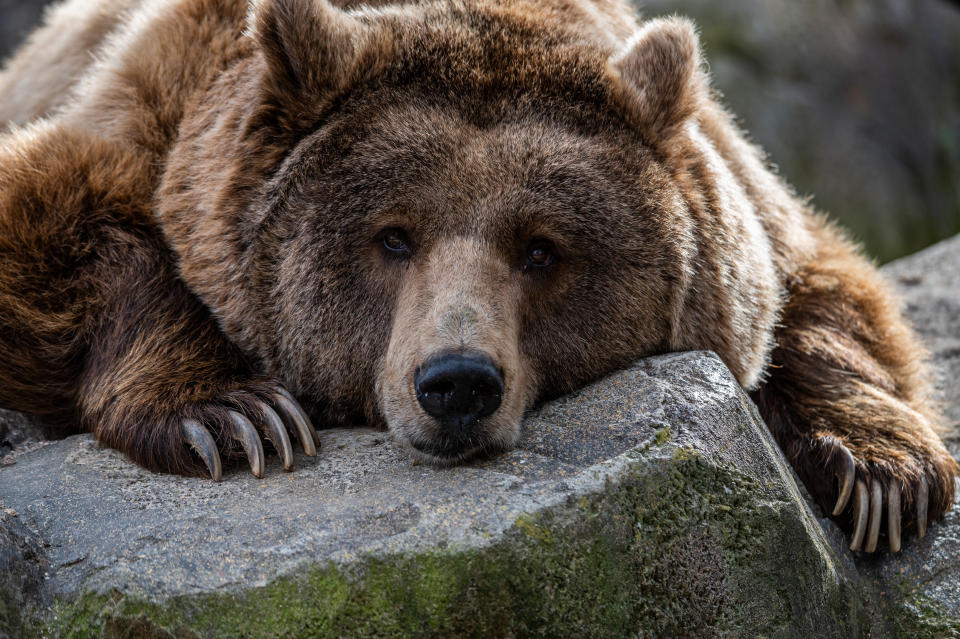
{"x":203,"y":204}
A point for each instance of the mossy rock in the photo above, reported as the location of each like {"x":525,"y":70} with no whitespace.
{"x":673,"y":547}
{"x":651,"y":504}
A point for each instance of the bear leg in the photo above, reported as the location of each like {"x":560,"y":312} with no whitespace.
{"x":97,"y":328}
{"x":847,"y":399}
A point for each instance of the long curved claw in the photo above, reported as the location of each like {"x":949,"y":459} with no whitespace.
{"x":276,"y":432}
{"x":876,"y":511}
{"x":201,"y":441}
{"x":302,"y":414}
{"x":923,"y":503}
{"x":291,"y":415}
{"x":847,"y":475}
{"x":893,"y":515}
{"x":861,"y":509}
{"x":246,"y":434}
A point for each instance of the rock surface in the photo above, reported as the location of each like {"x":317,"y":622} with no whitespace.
{"x":653,"y":503}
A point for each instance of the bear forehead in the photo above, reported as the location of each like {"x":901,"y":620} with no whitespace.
{"x":468,"y":115}
{"x":431,"y":167}
{"x":485,"y":52}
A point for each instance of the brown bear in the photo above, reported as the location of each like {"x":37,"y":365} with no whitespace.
{"x":427,"y":216}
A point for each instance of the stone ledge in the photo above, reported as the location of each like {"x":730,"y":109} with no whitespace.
{"x":653,"y":501}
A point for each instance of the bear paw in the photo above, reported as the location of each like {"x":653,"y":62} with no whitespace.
{"x":861,"y":482}
{"x":278,"y":412}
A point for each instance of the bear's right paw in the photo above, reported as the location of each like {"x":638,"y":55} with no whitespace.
{"x":270,"y":414}
{"x":858,"y":481}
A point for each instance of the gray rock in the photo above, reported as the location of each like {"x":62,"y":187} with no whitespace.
{"x":23,"y":565}
{"x":652,"y":503}
{"x":19,"y":433}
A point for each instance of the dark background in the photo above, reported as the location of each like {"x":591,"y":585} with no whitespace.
{"x":16,"y":19}
{"x":856,"y":101}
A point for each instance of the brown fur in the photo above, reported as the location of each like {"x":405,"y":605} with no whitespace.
{"x":205,"y":212}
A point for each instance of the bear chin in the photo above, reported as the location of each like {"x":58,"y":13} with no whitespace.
{"x":444,"y":459}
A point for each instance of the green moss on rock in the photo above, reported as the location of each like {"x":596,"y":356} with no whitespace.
{"x":918,"y":617}
{"x":16,"y":617}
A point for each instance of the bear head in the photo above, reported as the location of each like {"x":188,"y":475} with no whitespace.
{"x":432,"y":216}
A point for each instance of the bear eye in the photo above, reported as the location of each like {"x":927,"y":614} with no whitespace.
{"x":539,"y":254}
{"x":395,"y":241}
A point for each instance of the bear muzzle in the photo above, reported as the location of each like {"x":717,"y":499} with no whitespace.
{"x":452,"y":384}
{"x":458,"y":390}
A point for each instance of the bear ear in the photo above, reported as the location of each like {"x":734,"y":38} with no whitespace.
{"x":658,"y":76}
{"x":309,"y":45}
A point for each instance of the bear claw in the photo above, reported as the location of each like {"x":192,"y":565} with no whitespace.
{"x":201,"y":441}
{"x":284,"y":414}
{"x":868,"y":496}
{"x":923,"y":503}
{"x":868,"y":514}
{"x":861,"y":510}
{"x":246,"y":434}
{"x":295,"y":415}
{"x":846,"y":476}
{"x":876,"y":511}
{"x":893,"y":516}
{"x":276,"y":432}
{"x":868,"y":507}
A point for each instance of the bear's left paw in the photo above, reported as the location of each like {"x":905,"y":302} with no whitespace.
{"x":278,"y":411}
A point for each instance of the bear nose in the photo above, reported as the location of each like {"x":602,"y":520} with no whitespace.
{"x":459,"y":389}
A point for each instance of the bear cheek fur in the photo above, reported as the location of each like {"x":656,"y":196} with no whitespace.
{"x":329,"y":310}
{"x":729,"y":295}
{"x":460,"y":298}
{"x":734,"y":288}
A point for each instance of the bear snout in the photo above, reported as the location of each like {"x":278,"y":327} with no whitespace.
{"x":458,"y":390}
{"x":452,"y":383}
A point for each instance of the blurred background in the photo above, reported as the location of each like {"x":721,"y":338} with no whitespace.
{"x":856,"y":101}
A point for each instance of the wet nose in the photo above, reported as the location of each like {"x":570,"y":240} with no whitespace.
{"x":459,"y":389}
